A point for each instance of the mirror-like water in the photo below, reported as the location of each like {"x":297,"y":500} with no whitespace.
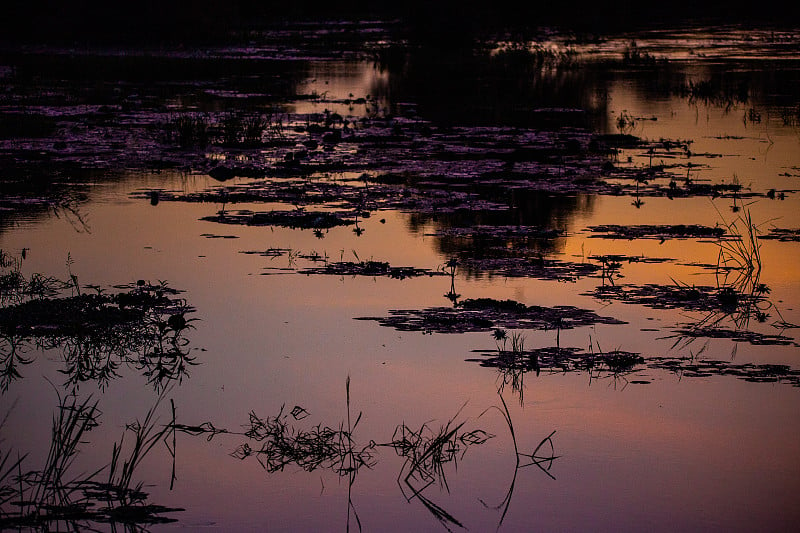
{"x":542,"y":284}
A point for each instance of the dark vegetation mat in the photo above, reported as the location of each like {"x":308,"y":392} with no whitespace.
{"x":481,"y":231}
{"x":736,"y":335}
{"x":512,"y":364}
{"x":485,"y":314}
{"x":558,"y":359}
{"x":533,"y":267}
{"x":782,"y":234}
{"x":663,"y":232}
{"x":675,"y":296}
{"x":228,"y":113}
{"x":759,"y":373}
{"x":369,"y":268}
{"x":141,"y":326}
{"x":296,"y":219}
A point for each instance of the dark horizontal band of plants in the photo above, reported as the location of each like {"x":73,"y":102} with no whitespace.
{"x":148,"y":20}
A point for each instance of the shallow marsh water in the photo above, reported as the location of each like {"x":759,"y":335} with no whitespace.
{"x":699,"y":432}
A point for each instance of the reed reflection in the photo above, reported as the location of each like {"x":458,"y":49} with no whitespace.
{"x":430,"y":453}
{"x":141,"y":326}
{"x":56,"y":496}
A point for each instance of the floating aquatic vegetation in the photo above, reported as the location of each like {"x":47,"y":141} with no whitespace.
{"x":674,"y":296}
{"x":486,"y":314}
{"x":782,"y":234}
{"x":297,"y":219}
{"x":513,"y":365}
{"x":713,"y":331}
{"x":369,"y":268}
{"x":534,"y":267}
{"x":142,"y":326}
{"x":662,"y":232}
{"x":555,"y":359}
{"x":500,"y":232}
{"x":690,"y":367}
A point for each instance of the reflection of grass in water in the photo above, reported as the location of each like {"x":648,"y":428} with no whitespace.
{"x":513,"y":364}
{"x":141,"y":326}
{"x":741,"y":295}
{"x":53,"y":497}
{"x":281,"y":444}
{"x":523,"y":460}
{"x":715,"y":92}
{"x":428,"y":451}
{"x":740,"y":254}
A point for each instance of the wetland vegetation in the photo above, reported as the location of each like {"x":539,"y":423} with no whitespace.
{"x":528,"y":243}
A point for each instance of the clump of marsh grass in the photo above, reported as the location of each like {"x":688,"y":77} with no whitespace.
{"x":740,"y":295}
{"x":189,"y":130}
{"x":54,"y":498}
{"x":739,"y":259}
{"x":37,"y":495}
{"x":145,"y":436}
{"x":16,"y":287}
{"x":513,"y":364}
{"x":635,"y":56}
{"x":280,"y":444}
{"x":427,"y":452}
{"x":713,"y":92}
{"x":243,"y":129}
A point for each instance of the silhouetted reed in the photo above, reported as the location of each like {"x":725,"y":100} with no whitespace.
{"x":428,"y":451}
{"x":55,"y":496}
{"x":543,"y":462}
{"x":740,"y":297}
{"x":714,"y":92}
{"x":281,"y":444}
